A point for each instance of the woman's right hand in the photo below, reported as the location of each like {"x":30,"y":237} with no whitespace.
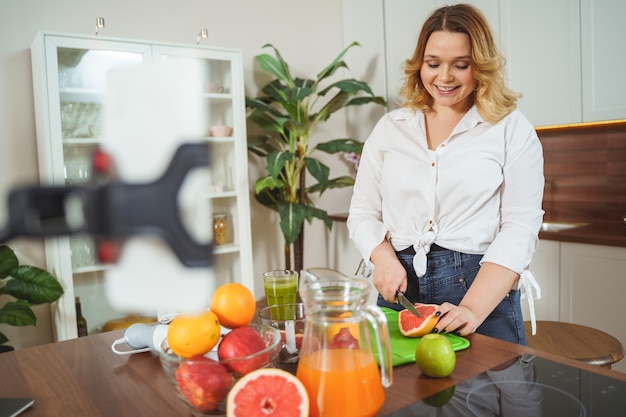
{"x":389,"y":274}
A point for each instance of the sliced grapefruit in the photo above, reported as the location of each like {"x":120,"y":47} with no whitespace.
{"x":412,"y":326}
{"x":268,"y":392}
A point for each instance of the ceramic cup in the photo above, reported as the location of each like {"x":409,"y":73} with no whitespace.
{"x":214,"y":88}
{"x":220,"y":131}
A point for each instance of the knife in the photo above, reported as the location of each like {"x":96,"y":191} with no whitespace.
{"x":406,"y":303}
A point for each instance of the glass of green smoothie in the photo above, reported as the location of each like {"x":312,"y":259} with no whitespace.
{"x":281,"y":287}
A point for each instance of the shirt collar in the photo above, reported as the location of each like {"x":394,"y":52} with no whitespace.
{"x":469,"y":120}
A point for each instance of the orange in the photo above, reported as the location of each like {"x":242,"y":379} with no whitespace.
{"x":234,"y":305}
{"x":192,"y":335}
{"x":412,"y":326}
{"x":435,"y":356}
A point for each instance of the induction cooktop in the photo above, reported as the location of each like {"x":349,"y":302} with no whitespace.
{"x":527,"y":386}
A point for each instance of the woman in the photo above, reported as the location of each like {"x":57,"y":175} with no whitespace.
{"x":447,"y":199}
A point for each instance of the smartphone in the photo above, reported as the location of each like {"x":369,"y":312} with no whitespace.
{"x":11,"y":407}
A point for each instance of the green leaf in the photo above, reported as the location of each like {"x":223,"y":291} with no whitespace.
{"x":276,"y":92}
{"x":341,"y":145}
{"x":348,"y":86}
{"x":8,"y":261}
{"x":291,"y":220}
{"x":339,"y":182}
{"x":3,"y":338}
{"x":267,"y":183}
{"x":319,"y":214}
{"x":267,"y":121}
{"x":268,"y":198}
{"x":276,"y":162}
{"x":319,"y":171}
{"x":289,"y":98}
{"x":33,"y":284}
{"x":260,"y":145}
{"x":17,"y":313}
{"x":338,"y":102}
{"x":275,"y":66}
{"x":337,"y":63}
{"x":358,"y":101}
{"x":262,"y":105}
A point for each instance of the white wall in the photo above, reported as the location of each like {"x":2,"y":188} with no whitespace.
{"x":309,"y":34}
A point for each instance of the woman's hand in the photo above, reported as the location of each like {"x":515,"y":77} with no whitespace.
{"x":492,"y":284}
{"x":389,"y":274}
{"x":456,"y":319}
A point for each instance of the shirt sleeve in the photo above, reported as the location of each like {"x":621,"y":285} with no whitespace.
{"x":521,"y":197}
{"x":365,"y":224}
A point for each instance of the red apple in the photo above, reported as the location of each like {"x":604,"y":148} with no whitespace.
{"x":204,"y":381}
{"x":240,"y":342}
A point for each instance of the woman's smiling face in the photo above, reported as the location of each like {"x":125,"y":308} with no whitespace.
{"x":447,"y":71}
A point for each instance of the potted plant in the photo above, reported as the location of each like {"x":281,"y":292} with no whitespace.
{"x":289,"y":110}
{"x":29,"y":285}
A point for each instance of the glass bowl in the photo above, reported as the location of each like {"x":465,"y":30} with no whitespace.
{"x":203,"y":383}
{"x":290,"y":320}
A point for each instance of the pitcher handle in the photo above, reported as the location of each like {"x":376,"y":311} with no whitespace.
{"x":378,"y":321}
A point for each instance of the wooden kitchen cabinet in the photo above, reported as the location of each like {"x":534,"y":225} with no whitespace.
{"x":70,"y":79}
{"x":593,"y":284}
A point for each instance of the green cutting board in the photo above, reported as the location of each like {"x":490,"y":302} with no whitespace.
{"x":403,"y":348}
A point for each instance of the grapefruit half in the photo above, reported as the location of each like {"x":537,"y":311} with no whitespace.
{"x":412,"y":326}
{"x":268,"y":392}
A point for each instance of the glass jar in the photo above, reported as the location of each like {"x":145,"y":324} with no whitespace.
{"x":220,"y":228}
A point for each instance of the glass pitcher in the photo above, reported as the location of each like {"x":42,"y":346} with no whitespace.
{"x":337,"y":362}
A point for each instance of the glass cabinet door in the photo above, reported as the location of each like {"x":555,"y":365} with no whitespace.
{"x":81,"y":82}
{"x":69,"y":80}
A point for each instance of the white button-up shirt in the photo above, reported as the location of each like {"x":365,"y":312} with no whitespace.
{"x":478,"y":192}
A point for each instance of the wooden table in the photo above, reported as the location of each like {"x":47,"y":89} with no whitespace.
{"x":83,"y":377}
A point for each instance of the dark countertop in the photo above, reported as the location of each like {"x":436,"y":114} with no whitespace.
{"x":600,"y":233}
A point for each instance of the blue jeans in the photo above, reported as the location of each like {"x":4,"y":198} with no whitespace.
{"x":448,"y":276}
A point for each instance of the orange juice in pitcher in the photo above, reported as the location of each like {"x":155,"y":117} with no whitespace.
{"x":337,"y":363}
{"x":350,"y":381}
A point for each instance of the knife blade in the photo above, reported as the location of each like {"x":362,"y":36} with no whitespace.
{"x":404,"y":302}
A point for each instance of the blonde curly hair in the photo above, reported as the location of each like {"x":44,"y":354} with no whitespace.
{"x":492,"y":97}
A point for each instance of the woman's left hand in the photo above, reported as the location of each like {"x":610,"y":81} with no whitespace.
{"x":493,"y":282}
{"x":455,"y":319}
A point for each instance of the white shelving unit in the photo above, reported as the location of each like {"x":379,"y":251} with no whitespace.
{"x":69,"y":79}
